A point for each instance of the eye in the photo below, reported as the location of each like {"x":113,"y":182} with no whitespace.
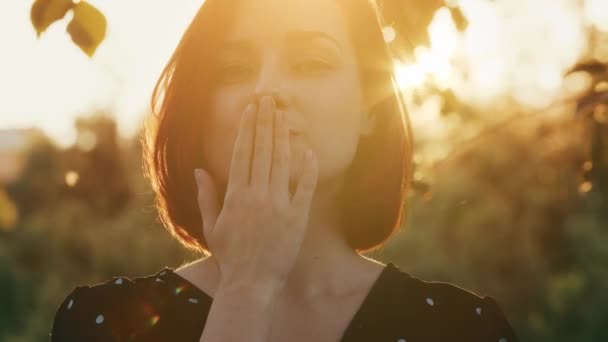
{"x":233,"y":72}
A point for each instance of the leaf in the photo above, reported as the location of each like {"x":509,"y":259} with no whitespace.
{"x":46,"y":12}
{"x":88,"y":27}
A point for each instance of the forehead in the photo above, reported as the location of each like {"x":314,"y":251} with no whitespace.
{"x":275,"y":21}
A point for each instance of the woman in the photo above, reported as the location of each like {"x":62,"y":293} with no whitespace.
{"x":289,"y":114}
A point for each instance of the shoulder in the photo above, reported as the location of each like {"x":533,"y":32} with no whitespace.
{"x":138,"y":309}
{"x":456,"y":311}
{"x":202,"y":273}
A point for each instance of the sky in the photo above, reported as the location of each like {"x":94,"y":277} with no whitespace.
{"x":49,"y":81}
{"x":516,"y":48}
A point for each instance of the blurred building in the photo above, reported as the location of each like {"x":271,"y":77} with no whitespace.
{"x":13,"y":146}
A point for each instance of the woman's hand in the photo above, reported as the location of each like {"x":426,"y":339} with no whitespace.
{"x":257,"y":234}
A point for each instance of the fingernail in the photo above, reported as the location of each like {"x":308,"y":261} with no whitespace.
{"x":197,"y":175}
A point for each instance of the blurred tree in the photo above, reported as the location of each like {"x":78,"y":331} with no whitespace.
{"x":409,"y":19}
{"x":15,"y":300}
{"x":94,"y":166}
{"x":92,"y":171}
{"x":518,"y":212}
{"x":103,"y":225}
{"x":593,"y":107}
{"x":41,"y":179}
{"x":8,"y":211}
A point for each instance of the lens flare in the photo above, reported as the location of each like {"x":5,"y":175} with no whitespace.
{"x":153,"y":320}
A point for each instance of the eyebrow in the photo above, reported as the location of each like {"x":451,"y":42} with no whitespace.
{"x":292,"y":37}
{"x":296,"y":36}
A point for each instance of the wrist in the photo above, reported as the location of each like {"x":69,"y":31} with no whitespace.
{"x":263,"y":290}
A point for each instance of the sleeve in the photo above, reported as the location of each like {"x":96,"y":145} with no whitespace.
{"x":496,"y":327}
{"x":76,"y":319}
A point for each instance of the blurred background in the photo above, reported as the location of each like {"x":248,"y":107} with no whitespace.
{"x":509,"y":105}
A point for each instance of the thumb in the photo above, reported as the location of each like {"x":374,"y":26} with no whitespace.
{"x":207,"y":199}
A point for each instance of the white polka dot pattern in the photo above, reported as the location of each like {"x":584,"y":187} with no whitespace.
{"x":91,"y":305}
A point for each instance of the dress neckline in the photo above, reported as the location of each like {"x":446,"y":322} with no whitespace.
{"x":379,"y":279}
{"x":373,"y":296}
{"x":366,"y":308}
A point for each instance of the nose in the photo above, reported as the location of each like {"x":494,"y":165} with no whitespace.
{"x":270,"y":82}
{"x":280,"y":98}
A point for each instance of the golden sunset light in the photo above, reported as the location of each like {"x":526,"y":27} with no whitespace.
{"x":50,"y":81}
{"x":497,"y":55}
{"x":188,"y":170}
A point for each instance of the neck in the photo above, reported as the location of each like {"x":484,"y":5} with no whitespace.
{"x":325,"y":260}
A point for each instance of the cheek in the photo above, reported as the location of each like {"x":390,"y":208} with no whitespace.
{"x":335,"y":150}
{"x":226,"y":106}
{"x":220,"y":131}
{"x":333,"y":123}
{"x":217,"y":149}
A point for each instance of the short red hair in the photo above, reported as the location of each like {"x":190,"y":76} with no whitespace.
{"x":373,"y":197}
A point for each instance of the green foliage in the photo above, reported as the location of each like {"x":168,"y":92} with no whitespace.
{"x":12,"y":301}
{"x":519,"y":213}
{"x":69,"y":235}
{"x":505,"y":217}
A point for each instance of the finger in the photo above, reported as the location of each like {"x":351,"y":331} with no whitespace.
{"x":242,"y":153}
{"x":306,"y":184}
{"x":207,"y":199}
{"x":261,"y":162}
{"x":279,"y":178}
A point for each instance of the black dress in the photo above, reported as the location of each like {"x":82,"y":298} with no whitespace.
{"x":166,"y":307}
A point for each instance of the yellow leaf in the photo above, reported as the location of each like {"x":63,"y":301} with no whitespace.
{"x":88,"y":27}
{"x":46,"y":12}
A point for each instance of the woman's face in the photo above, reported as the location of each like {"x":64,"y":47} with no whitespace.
{"x":301,"y":50}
